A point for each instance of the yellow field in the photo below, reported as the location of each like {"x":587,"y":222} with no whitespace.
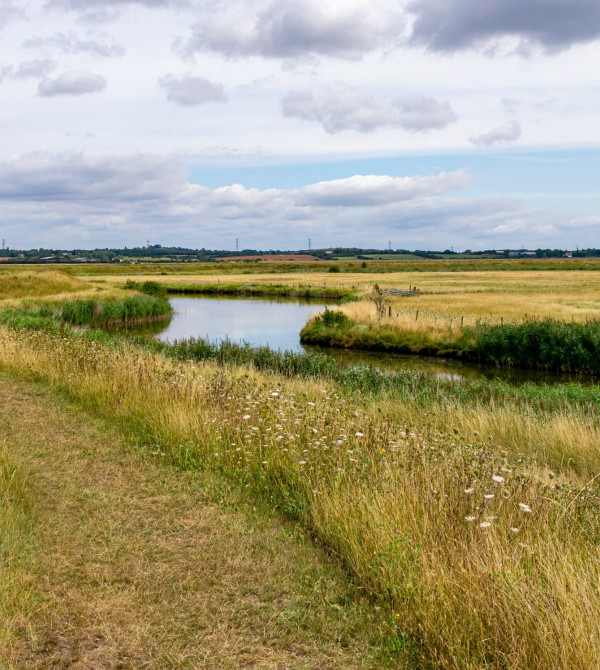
{"x":512,"y":295}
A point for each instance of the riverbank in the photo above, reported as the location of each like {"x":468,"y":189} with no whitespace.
{"x":260,"y":290}
{"x":545,"y":344}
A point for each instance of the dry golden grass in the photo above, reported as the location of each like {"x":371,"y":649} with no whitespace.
{"x":28,"y":284}
{"x":488,"y":562}
{"x":141,"y":566}
{"x":475,"y":295}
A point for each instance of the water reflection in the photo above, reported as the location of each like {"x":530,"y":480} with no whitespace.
{"x":276,"y":322}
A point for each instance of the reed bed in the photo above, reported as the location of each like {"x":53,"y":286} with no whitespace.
{"x":484,"y":558}
{"x":89,"y":312}
{"x":547,"y":344}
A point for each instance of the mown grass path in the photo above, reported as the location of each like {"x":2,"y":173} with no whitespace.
{"x":137,"y":565}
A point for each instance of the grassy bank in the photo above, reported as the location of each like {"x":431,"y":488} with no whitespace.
{"x":249,"y":290}
{"x":487,"y":559}
{"x":538,"y":344}
{"x":112,"y":558}
{"x":90,"y":312}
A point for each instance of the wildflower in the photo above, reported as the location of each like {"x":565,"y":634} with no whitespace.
{"x":488,"y":496}
{"x":274,"y":394}
{"x":469,"y":518}
{"x":265,"y":462}
{"x":312,"y":404}
{"x":498,"y":479}
{"x":246,"y":417}
{"x":469,"y":490}
{"x":524,"y":508}
{"x":514,"y":530}
{"x":485,"y":524}
{"x":302,"y":462}
{"x":359,"y":434}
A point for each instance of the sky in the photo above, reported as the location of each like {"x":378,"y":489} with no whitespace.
{"x":420,"y":124}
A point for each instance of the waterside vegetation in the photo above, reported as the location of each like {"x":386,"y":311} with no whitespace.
{"x":485,"y":556}
{"x":547,"y":344}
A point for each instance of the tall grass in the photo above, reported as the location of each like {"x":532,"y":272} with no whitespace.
{"x":90,"y":312}
{"x":485,"y":560}
{"x":546,"y":344}
{"x":95,"y":312}
{"x":28,"y":284}
{"x":16,"y":589}
{"x":258,"y":289}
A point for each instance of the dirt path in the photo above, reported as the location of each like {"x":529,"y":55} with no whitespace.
{"x":139,"y":566}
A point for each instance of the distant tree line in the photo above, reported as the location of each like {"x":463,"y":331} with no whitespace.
{"x":184,"y":254}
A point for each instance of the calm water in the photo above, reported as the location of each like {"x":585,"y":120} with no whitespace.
{"x":259,"y":321}
{"x":277,"y":323}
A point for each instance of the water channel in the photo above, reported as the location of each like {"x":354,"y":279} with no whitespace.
{"x":276,"y":322}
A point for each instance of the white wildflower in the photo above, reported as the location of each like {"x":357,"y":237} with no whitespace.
{"x":469,"y":518}
{"x":498,"y":478}
{"x":359,"y":434}
{"x":469,"y":490}
{"x":488,"y":496}
{"x":524,"y":508}
{"x":485,"y":524}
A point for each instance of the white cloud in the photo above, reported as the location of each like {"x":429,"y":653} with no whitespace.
{"x":8,"y":12}
{"x":189,"y":91}
{"x":294,"y":28}
{"x":69,"y":43}
{"x":39,"y":67}
{"x":342,"y":107}
{"x":72,"y":83}
{"x":377,"y":190}
{"x":508,"y":133}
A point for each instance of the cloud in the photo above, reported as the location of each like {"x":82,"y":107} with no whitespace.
{"x":343,"y":107}
{"x":72,"y":83}
{"x":188,"y":91}
{"x":71,"y":44}
{"x":72,"y":199}
{"x":8,"y":12}
{"x":28,"y":69}
{"x":376,"y":190}
{"x":585,"y":222}
{"x":294,"y":28}
{"x":74,"y":177}
{"x":554,"y":25}
{"x":87,"y":5}
{"x":508,"y":133}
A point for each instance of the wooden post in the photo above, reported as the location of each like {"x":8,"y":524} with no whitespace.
{"x":501,"y":320}
{"x":390,"y":312}
{"x":417,"y":316}
{"x":462,"y":318}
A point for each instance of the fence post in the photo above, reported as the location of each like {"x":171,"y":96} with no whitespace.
{"x":462,"y":318}
{"x":417,"y":316}
{"x":501,"y":320}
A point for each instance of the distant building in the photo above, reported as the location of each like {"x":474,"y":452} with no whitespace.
{"x":568,"y":254}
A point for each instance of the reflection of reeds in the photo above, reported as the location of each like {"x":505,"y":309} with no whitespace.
{"x":486,"y":557}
